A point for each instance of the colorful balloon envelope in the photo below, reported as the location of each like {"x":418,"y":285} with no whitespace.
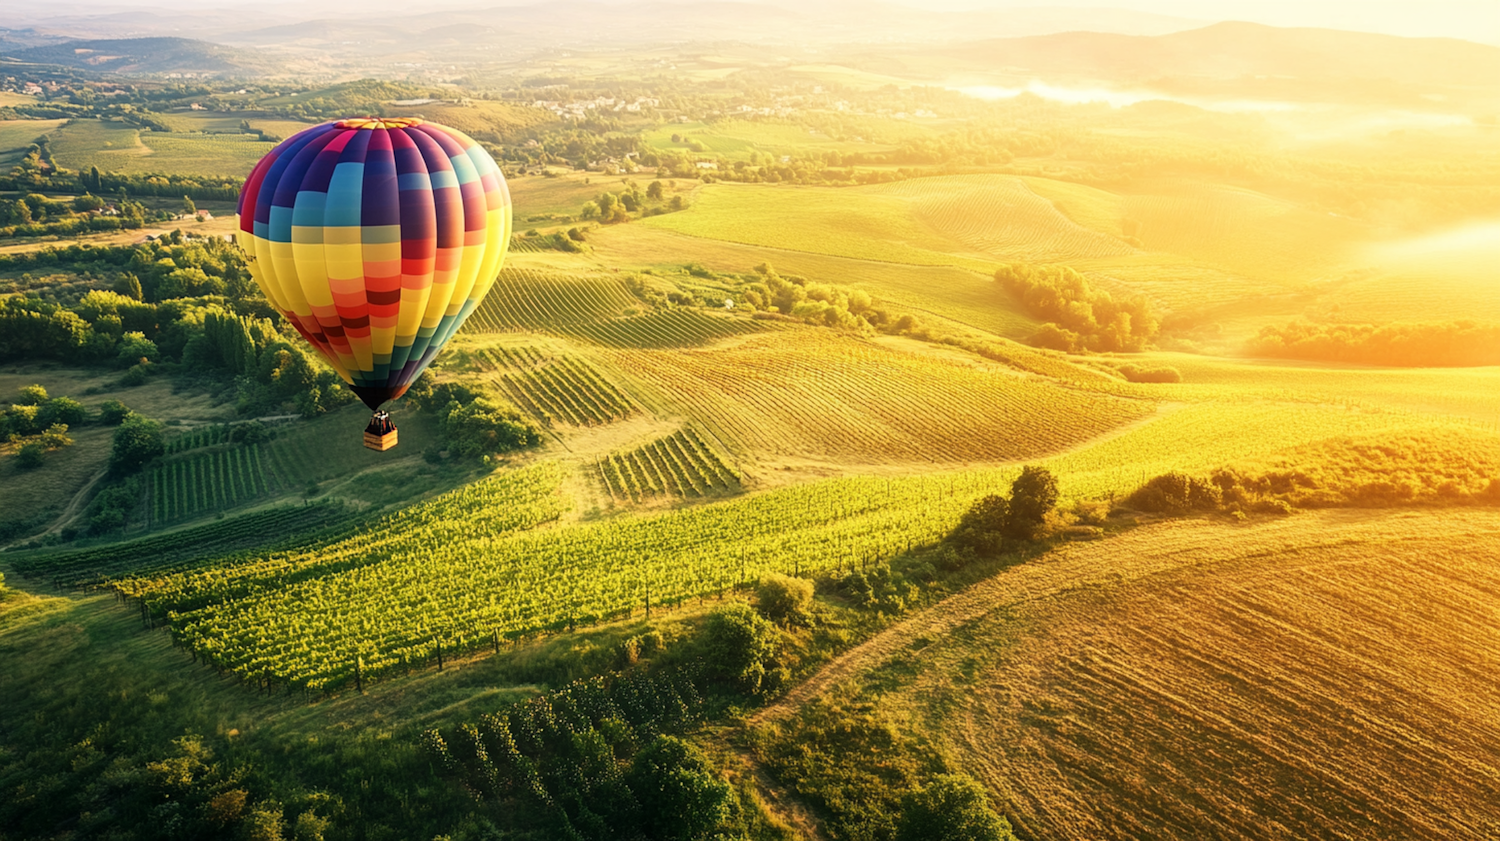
{"x":376,"y":238}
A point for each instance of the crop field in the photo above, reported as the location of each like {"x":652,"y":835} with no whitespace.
{"x":203,"y":436}
{"x":178,"y":550}
{"x":445,"y":574}
{"x":736,"y":139}
{"x":814,"y":394}
{"x":595,"y":309}
{"x":554,"y":387}
{"x":479,"y":563}
{"x":965,"y":296}
{"x":113,"y":147}
{"x":231,"y":155}
{"x":196,"y":484}
{"x":1006,"y":218}
{"x":679,"y":465}
{"x":117,"y":147}
{"x":1471,"y":393}
{"x":1244,"y":232}
{"x":1320,"y":676}
{"x":534,"y":195}
{"x":16,"y":135}
{"x":865,"y":223}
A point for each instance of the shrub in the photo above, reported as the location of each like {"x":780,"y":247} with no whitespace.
{"x":63,"y":410}
{"x":680,"y":795}
{"x":113,"y":413}
{"x":1143,"y":374}
{"x":740,"y":648}
{"x":1176,"y":493}
{"x":952,"y":807}
{"x":137,"y":375}
{"x":30,"y":456}
{"x":784,"y":599}
{"x":981,"y":526}
{"x":33,"y":395}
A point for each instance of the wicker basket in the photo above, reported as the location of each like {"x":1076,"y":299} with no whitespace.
{"x":380,"y":442}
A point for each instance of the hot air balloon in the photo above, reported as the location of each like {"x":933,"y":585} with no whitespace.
{"x":376,"y":238}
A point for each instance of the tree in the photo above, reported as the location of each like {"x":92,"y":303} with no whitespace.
{"x":952,"y":807}
{"x":137,"y":441}
{"x":740,"y":647}
{"x":482,"y":427}
{"x":654,"y":191}
{"x":1032,"y":496}
{"x":784,"y":599}
{"x":30,"y":456}
{"x":20,"y":213}
{"x":188,"y":208}
{"x":135,"y":349}
{"x":681,"y":797}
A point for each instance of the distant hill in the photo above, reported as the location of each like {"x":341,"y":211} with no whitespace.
{"x":1236,"y":50}
{"x":143,"y":56}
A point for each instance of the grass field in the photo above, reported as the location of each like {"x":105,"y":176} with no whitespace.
{"x":736,"y":139}
{"x":16,"y":135}
{"x":1007,"y":218}
{"x":1243,"y":232}
{"x":117,"y":147}
{"x":964,"y":296}
{"x":1319,"y":676}
{"x":867,"y":223}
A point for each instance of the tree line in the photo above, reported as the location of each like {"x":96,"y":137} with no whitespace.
{"x":1430,"y":344}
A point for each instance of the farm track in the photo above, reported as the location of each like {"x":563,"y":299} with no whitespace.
{"x":77,"y":502}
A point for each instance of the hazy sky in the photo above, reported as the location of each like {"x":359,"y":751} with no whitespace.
{"x":1474,"y":20}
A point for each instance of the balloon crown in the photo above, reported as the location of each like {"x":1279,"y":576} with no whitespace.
{"x":379,"y":122}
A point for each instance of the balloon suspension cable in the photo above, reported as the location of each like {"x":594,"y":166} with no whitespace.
{"x":380,"y":433}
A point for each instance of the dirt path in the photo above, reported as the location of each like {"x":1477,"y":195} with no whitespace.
{"x":77,"y":502}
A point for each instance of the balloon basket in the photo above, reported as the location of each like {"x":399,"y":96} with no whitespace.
{"x":380,"y":434}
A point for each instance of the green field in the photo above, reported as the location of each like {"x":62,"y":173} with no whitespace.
{"x":736,"y":139}
{"x":16,"y":135}
{"x":117,"y":147}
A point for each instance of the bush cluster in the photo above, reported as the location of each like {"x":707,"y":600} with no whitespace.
{"x":1022,"y":516}
{"x":1079,"y":317}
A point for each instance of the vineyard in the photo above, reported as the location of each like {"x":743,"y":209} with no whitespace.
{"x":594,"y":309}
{"x":212,"y":481}
{"x":818,"y":394}
{"x":555,"y":388}
{"x":679,"y":465}
{"x":203,"y":436}
{"x":1003,"y":217}
{"x":179,"y":550}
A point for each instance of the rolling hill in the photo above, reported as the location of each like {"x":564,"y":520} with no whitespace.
{"x":144,"y":56}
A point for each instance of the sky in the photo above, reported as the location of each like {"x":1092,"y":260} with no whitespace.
{"x":1474,"y":20}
